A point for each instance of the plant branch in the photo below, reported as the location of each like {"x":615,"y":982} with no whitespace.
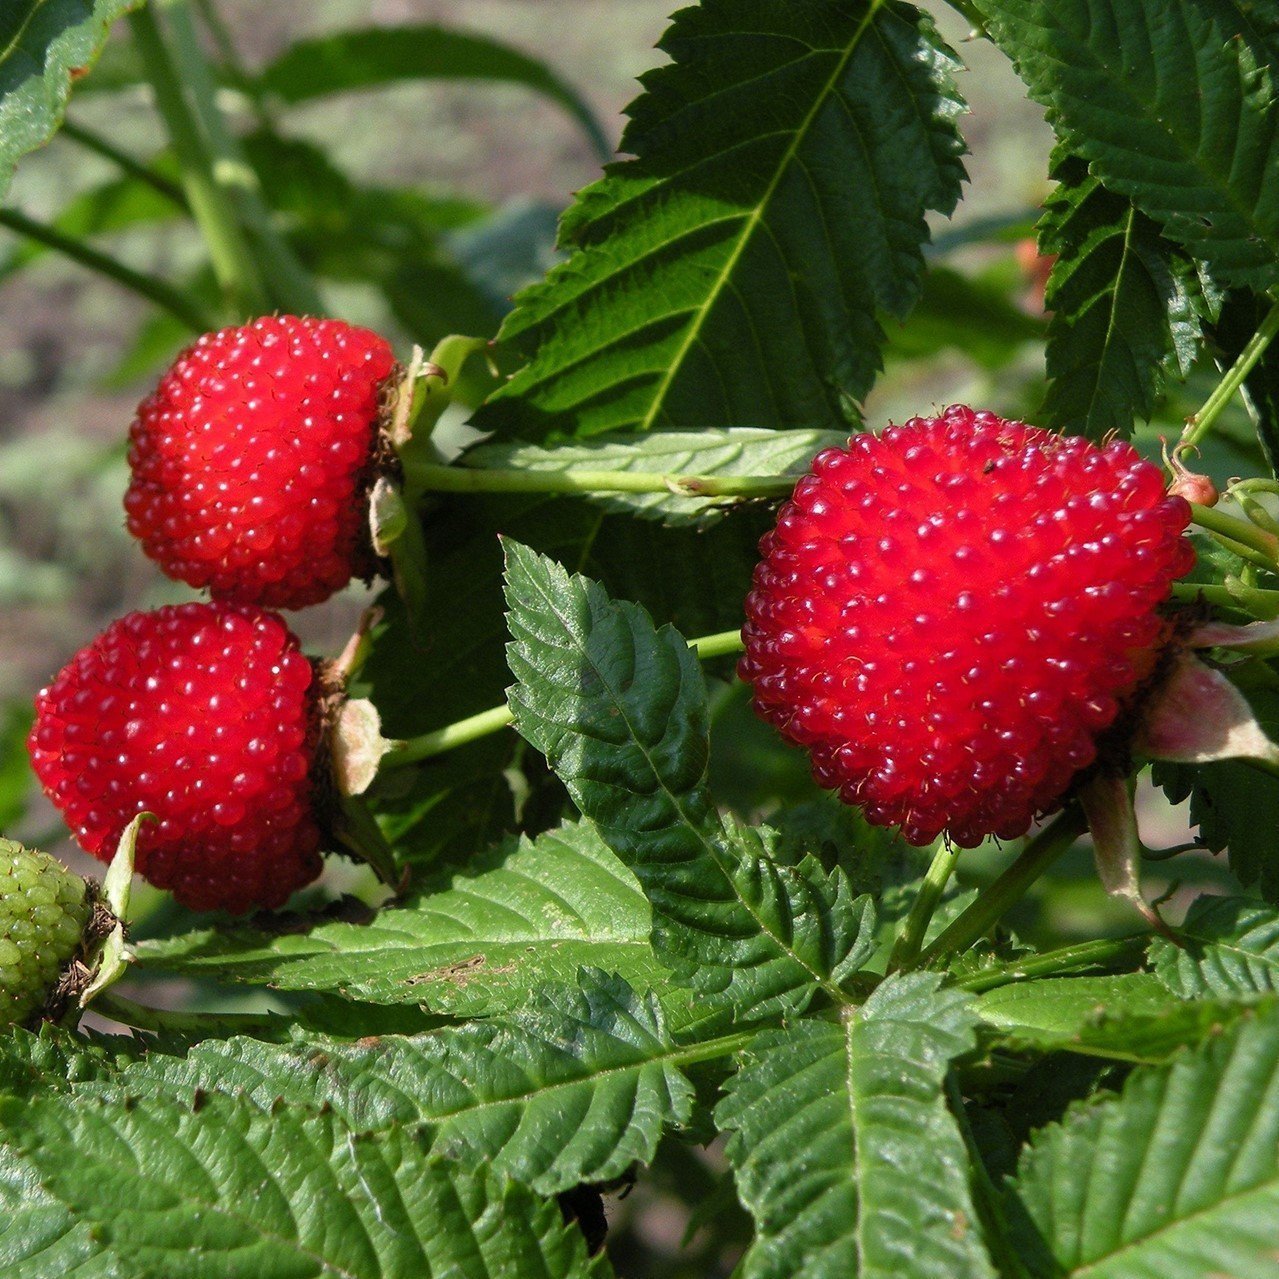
{"x":164,"y":295}
{"x":94,"y":142}
{"x":1038,"y":855}
{"x":1109,"y":953}
{"x":1242,"y":532}
{"x":464,"y":731}
{"x":433,"y":477}
{"x":1199,"y":425}
{"x":911,"y":937}
{"x":233,"y":264}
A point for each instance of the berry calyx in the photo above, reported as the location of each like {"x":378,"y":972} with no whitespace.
{"x":45,"y":914}
{"x":209,"y":717}
{"x":949,"y":617}
{"x":252,"y":456}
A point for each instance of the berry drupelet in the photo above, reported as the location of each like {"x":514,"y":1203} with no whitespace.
{"x":949,"y":617}
{"x":251,"y":458}
{"x":207,"y":716}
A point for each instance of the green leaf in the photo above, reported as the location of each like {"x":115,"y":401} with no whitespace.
{"x":1177,"y":1176}
{"x":365,"y":59}
{"x":42,"y":43}
{"x":844,"y":1150}
{"x":541,"y":910}
{"x":225,"y":1188}
{"x":1172,"y":104}
{"x":1235,"y":806}
{"x":1228,"y":946}
{"x":15,"y":764}
{"x":735,"y":452}
{"x":575,"y":1086}
{"x":1127,"y":1018}
{"x":618,"y":707}
{"x":733,"y":272}
{"x":1126,"y":306}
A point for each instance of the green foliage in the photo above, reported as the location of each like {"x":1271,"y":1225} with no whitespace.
{"x":618,"y":708}
{"x":365,"y":59}
{"x":1177,"y":1176}
{"x":845,"y":1151}
{"x":1228,"y":947}
{"x":43,"y":44}
{"x":539,"y":911}
{"x":1126,"y":307}
{"x":1114,"y":75}
{"x":733,"y":273}
{"x":174,"y":1190}
{"x":634,"y":925}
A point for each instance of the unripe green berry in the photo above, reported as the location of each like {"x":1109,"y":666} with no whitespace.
{"x":44,"y":913}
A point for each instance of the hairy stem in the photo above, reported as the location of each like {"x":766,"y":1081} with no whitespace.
{"x":164,"y":295}
{"x":996,"y":900}
{"x":1241,"y":532}
{"x":911,"y":937}
{"x":432,"y":477}
{"x":1110,"y":953}
{"x":463,"y":731}
{"x":1199,"y":425}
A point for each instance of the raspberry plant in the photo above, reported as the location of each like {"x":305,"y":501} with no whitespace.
{"x":593,"y":916}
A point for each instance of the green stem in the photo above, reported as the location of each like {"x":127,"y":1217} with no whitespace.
{"x":233,"y":264}
{"x":159,"y":1020}
{"x":1250,"y":598}
{"x":1198,"y":426}
{"x":432,"y":477}
{"x":1242,"y":532}
{"x":157,"y":291}
{"x":134,"y":168}
{"x":1040,"y":853}
{"x":288,"y":282}
{"x":463,"y":731}
{"x":236,"y":72}
{"x":1115,"y":952}
{"x":911,"y":937}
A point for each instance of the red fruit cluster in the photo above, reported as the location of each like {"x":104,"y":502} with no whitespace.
{"x":949,"y":615}
{"x":205,"y":715}
{"x":250,"y":456}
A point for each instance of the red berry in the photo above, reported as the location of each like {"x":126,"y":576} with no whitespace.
{"x":205,"y":715}
{"x":250,"y":458}
{"x":949,"y":615}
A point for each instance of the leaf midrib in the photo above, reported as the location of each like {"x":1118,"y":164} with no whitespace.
{"x":752,"y":221}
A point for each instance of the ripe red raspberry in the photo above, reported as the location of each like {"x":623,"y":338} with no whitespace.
{"x":207,"y":716}
{"x":250,"y":458}
{"x":949,"y":615}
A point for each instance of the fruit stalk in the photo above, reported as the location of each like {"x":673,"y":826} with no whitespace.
{"x":1038,"y":855}
{"x":464,"y":731}
{"x":1199,"y":425}
{"x":911,"y":937}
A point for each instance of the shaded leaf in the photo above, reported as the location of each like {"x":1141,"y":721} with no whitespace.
{"x":732,"y":273}
{"x":363,"y":59}
{"x":1172,"y":104}
{"x":1126,"y":306}
{"x":1177,"y":1176}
